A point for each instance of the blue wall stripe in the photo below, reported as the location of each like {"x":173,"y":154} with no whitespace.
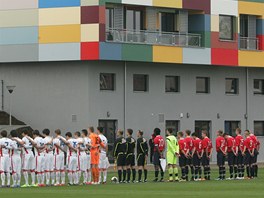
{"x":58,"y":3}
{"x":110,"y":51}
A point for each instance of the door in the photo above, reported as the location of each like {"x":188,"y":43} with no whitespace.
{"x":202,"y":125}
{"x":110,"y":127}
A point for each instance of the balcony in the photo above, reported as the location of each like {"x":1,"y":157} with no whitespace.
{"x":247,"y":43}
{"x":153,"y":38}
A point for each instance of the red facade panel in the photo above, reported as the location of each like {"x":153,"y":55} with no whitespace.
{"x":227,"y":57}
{"x":90,"y":51}
{"x":217,"y":43}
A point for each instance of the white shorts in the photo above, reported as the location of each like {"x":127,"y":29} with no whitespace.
{"x":72,"y":163}
{"x":16,"y":164}
{"x":40,"y":163}
{"x":103,"y":161}
{"x":5,"y":165}
{"x":59,"y":162}
{"x":49,"y":162}
{"x":82,"y":162}
{"x":29,"y":162}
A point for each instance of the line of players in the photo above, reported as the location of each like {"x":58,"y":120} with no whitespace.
{"x":43,"y":157}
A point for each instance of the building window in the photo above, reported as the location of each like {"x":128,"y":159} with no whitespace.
{"x":134,"y":20}
{"x":107,"y":81}
{"x":172,"y":84}
{"x":109,"y":18}
{"x":168,"y":22}
{"x":259,"y":128}
{"x":174,"y":125}
{"x":226,"y":27}
{"x":202,"y":125}
{"x":258,"y":87}
{"x":202,"y":85}
{"x":231,"y":126}
{"x":231,"y":85}
{"x":140,"y":82}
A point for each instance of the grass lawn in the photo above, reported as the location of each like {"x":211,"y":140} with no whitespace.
{"x":211,"y":189}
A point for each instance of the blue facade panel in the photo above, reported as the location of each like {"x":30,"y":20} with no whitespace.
{"x":58,"y":3}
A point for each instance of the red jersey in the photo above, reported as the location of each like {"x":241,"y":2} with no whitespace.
{"x":240,"y":142}
{"x":231,"y":144}
{"x":220,"y":144}
{"x":189,"y":142}
{"x":255,"y":140}
{"x":249,"y":143}
{"x":197,"y":143}
{"x":183,"y":146}
{"x":159,"y":142}
{"x":207,"y":144}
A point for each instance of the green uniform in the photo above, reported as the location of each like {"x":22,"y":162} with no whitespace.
{"x":172,"y":148}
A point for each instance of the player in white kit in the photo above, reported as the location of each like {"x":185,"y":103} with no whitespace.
{"x":16,"y":163}
{"x":28,"y":162}
{"x":87,"y":144}
{"x":5,"y":168}
{"x":103,"y":160}
{"x":49,"y":157}
{"x":59,"y":159}
{"x":39,"y":146}
{"x":72,"y":164}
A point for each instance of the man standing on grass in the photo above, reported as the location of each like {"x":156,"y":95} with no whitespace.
{"x":103,"y":160}
{"x":231,"y":155}
{"x":172,"y":154}
{"x":189,"y":162}
{"x":130,"y":157}
{"x":159,"y":147}
{"x":184,"y":150}
{"x":120,"y":148}
{"x":142,"y":155}
{"x":256,"y":153}
{"x":221,"y":149}
{"x":240,"y":159}
{"x":197,"y":154}
{"x":248,"y":153}
{"x":207,"y":154}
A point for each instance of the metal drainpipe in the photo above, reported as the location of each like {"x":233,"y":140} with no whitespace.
{"x":125,"y":93}
{"x":247,"y":98}
{"x":2,"y":95}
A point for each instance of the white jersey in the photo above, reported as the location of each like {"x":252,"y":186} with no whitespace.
{"x":7,"y":143}
{"x":27,"y":146}
{"x":49,"y":144}
{"x":57,"y":141}
{"x":74,"y":144}
{"x":82,"y":145}
{"x":40,"y":142}
{"x":105,"y":142}
{"x":16,"y":149}
{"x":87,"y":141}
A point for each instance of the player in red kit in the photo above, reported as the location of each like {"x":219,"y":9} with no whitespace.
{"x":184,"y":150}
{"x":231,"y":155}
{"x":189,"y":162}
{"x":159,"y":147}
{"x":240,"y":159}
{"x":221,"y":149}
{"x":207,"y":154}
{"x":248,"y":152}
{"x":256,"y":152}
{"x":197,"y":154}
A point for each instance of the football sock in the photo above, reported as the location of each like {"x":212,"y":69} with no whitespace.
{"x":252,"y":171}
{"x":208,"y":173}
{"x":105,"y":175}
{"x":124,"y":175}
{"x":256,"y":170}
{"x":58,"y":177}
{"x":231,"y":171}
{"x":62,"y":177}
{"x":70,"y":177}
{"x":89,"y":176}
{"x":42,"y":178}
{"x":33,"y":177}
{"x":134,"y":174}
{"x":47,"y":178}
{"x":186,"y":171}
{"x":39,"y":178}
{"x":242,"y":170}
{"x":200,"y":171}
{"x":196,"y":172}
{"x":76,"y":177}
{"x":170,"y":173}
{"x":139,"y":175}
{"x":192,"y":171}
{"x":52,"y":176}
{"x":119,"y":175}
{"x":100,"y":176}
{"x":235,"y":171}
{"x":97,"y":174}
{"x":248,"y":171}
{"x":18,"y":178}
{"x":14,"y":177}
{"x":239,"y":171}
{"x":25,"y":173}
{"x":183,"y":172}
{"x":145,"y":174}
{"x":3,"y":179}
{"x":156,"y":174}
{"x":8,"y":179}
{"x":85,"y":174}
{"x":176,"y":173}
{"x":224,"y":172}
{"x":128,"y":174}
{"x":162,"y":174}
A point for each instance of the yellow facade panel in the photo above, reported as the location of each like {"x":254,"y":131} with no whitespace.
{"x":167,"y":54}
{"x":251,"y":8}
{"x":60,"y":34}
{"x":251,"y":58}
{"x":168,"y":3}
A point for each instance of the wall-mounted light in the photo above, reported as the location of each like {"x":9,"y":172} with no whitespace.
{"x":187,"y":115}
{"x":218,"y":115}
{"x":108,"y":114}
{"x":181,"y":115}
{"x":245,"y":116}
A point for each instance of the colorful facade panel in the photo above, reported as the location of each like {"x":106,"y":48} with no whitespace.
{"x":251,"y":58}
{"x":194,"y":56}
{"x":225,"y":57}
{"x":58,"y":3}
{"x":166,"y":54}
{"x":168,"y":3}
{"x":18,"y":4}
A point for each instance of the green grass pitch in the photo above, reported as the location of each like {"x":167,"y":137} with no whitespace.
{"x":205,"y":189}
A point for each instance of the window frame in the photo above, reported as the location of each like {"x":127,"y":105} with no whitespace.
{"x":142,"y":17}
{"x":207,"y":85}
{"x":113,"y":76}
{"x":237,"y":86}
{"x":262,"y":122}
{"x":262,"y":84}
{"x":238,"y":122}
{"x":146,"y":79}
{"x":232,"y":28}
{"x":177,"y":83}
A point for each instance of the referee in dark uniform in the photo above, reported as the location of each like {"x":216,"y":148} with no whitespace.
{"x":130,"y":156}
{"x":142,"y":154}
{"x":120,"y":148}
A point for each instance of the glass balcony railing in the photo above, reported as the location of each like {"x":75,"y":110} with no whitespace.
{"x":247,"y":43}
{"x":153,"y":37}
